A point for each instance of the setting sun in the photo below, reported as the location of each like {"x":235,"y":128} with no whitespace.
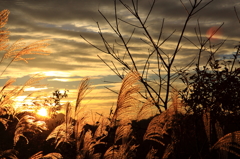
{"x":42,"y":112}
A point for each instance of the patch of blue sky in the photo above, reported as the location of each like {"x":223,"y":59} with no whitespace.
{"x":73,"y":82}
{"x":227,"y":56}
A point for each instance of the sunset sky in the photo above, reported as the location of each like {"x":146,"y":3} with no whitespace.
{"x":72,"y":58}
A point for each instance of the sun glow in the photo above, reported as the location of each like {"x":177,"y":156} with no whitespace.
{"x":42,"y":112}
{"x":214,"y":33}
{"x":56,"y":73}
{"x":34,"y":89}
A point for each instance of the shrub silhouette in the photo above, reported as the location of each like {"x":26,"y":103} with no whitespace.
{"x":214,"y":87}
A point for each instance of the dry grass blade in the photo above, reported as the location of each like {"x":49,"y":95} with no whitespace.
{"x":7,"y":97}
{"x":160,"y":124}
{"x":18,"y":90}
{"x":87,"y":140}
{"x":7,"y":109}
{"x":68,"y":114}
{"x":13,"y":50}
{"x":4,"y":34}
{"x":79,"y":113}
{"x":10,"y":153}
{"x":231,"y":140}
{"x":96,"y":156}
{"x":220,"y":133}
{"x":101,"y":130}
{"x":111,"y":152}
{"x":145,"y":110}
{"x":7,"y":84}
{"x":123,"y":132}
{"x":207,"y":124}
{"x":89,"y":143}
{"x":7,"y":101}
{"x":219,"y":130}
{"x":34,"y":80}
{"x":116,"y":152}
{"x":79,"y":132}
{"x":19,"y":49}
{"x":4,"y":17}
{"x":124,"y":151}
{"x":4,"y":121}
{"x":151,"y":153}
{"x":82,"y":92}
{"x":61,"y":133}
{"x":37,"y":155}
{"x":125,"y":98}
{"x":156,"y":129}
{"x":176,"y":105}
{"x":76,"y":116}
{"x":53,"y":155}
{"x":28,"y":124}
{"x":168,"y":150}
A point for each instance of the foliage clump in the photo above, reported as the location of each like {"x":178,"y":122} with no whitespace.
{"x":216,"y":86}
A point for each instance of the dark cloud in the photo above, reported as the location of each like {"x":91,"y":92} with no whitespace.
{"x":64,"y":21}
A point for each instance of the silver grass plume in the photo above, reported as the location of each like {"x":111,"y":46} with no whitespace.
{"x":63,"y":132}
{"x":151,"y":153}
{"x":159,"y":125}
{"x":126,"y":101}
{"x":79,"y":112}
{"x":4,"y":33}
{"x":145,"y":110}
{"x":126,"y":150}
{"x":53,"y":155}
{"x":28,"y":124}
{"x":230,"y":143}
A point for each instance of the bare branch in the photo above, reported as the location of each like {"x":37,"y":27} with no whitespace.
{"x":111,"y":90}
{"x":92,"y":44}
{"x":128,"y":8}
{"x":202,"y":6}
{"x":235,"y":10}
{"x":151,"y":8}
{"x":109,"y":66}
{"x":130,"y":23}
{"x":184,"y":7}
{"x":191,"y":42}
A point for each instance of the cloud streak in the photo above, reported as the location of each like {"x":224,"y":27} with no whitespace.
{"x":72,"y":58}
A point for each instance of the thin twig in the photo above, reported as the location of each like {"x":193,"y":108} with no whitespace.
{"x":151,"y":8}
{"x":235,"y":10}
{"x":184,"y":7}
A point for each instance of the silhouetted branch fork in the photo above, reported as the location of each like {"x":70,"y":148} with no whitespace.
{"x":129,"y":23}
{"x":197,"y":4}
{"x":165,"y":73}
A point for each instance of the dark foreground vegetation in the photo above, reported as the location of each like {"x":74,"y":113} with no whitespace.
{"x":199,"y":121}
{"x":163,"y":136}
